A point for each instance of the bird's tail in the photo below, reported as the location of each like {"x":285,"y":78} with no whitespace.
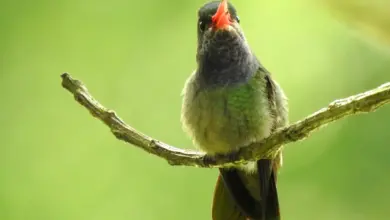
{"x":233,"y":201}
{"x":224,"y":207}
{"x":272,"y":209}
{"x":268,"y":191}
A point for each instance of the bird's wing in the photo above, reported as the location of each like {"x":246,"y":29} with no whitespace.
{"x":279,"y":108}
{"x":278,"y":102}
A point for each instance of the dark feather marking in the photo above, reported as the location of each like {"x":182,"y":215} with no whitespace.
{"x":246,"y":121}
{"x":196,"y":92}
{"x":225,"y":107}
{"x":273,"y":210}
{"x":205,"y":134}
{"x":226,"y":111}
{"x":271,"y":98}
{"x":264,"y":167}
{"x":224,"y":207}
{"x":246,"y":203}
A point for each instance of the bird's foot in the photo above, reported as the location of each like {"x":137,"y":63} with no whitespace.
{"x":219,"y":158}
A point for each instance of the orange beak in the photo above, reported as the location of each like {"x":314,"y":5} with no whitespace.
{"x":221,"y":18}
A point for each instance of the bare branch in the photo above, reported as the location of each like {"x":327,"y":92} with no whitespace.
{"x":360,"y":103}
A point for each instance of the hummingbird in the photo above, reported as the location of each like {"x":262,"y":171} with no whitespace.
{"x":229,"y":102}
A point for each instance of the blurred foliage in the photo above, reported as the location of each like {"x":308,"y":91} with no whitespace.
{"x":371,"y":18}
{"x":57,"y":162}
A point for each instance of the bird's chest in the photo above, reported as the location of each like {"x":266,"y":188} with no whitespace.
{"x":225,"y":119}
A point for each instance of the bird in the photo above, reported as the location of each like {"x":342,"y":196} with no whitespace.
{"x":228,"y":102}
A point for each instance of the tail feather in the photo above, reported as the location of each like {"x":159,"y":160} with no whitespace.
{"x":233,"y":201}
{"x":264,"y":168}
{"x":268,"y":191}
{"x":224,"y":207}
{"x":272,"y":209}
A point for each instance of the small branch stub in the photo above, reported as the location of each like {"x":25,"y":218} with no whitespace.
{"x":360,"y":103}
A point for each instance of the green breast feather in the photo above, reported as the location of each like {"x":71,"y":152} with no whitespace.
{"x":223,"y":119}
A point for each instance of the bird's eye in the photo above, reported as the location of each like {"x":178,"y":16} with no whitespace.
{"x":202,"y":26}
{"x":238,"y":19}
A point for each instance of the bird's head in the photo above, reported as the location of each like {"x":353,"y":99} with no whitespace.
{"x":221,"y":42}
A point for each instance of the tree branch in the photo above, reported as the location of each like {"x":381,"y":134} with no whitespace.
{"x":360,"y":103}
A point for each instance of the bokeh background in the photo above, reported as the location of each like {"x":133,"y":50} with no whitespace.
{"x":58,"y":162}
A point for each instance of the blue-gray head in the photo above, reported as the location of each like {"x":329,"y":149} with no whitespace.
{"x":223,"y":54}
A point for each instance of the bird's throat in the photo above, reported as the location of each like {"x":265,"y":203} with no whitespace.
{"x":223,"y":64}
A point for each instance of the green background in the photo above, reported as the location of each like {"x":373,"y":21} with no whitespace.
{"x":57,"y":162}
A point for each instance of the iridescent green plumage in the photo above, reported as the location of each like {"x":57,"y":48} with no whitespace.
{"x":229,"y":102}
{"x":223,"y":119}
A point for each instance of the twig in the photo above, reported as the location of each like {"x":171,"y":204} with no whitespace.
{"x":360,"y":103}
